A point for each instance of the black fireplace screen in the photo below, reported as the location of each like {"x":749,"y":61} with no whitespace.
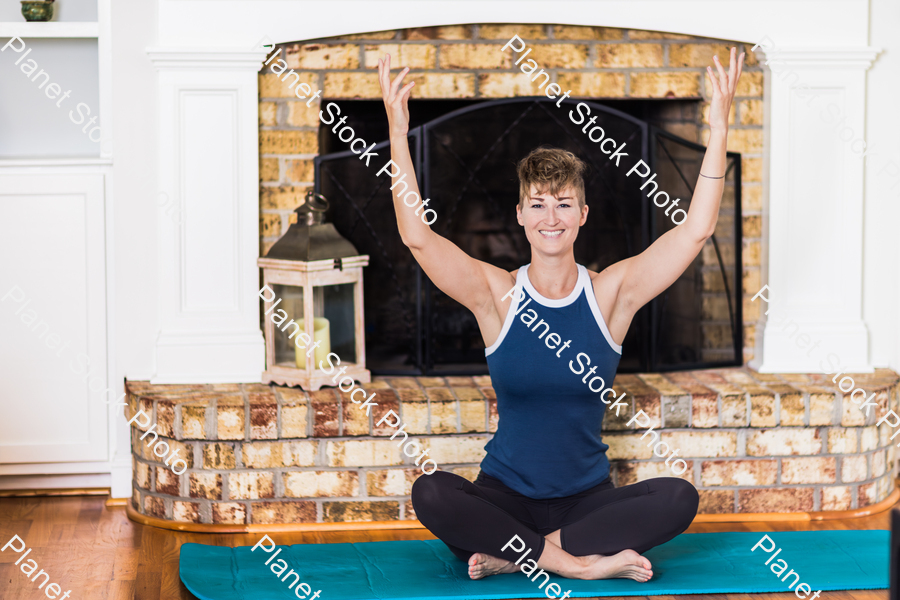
{"x":465,"y":163}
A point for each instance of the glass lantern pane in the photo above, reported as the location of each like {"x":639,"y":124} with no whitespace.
{"x":292,"y":304}
{"x":339,"y":308}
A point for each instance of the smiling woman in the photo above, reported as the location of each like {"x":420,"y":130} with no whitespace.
{"x":545,"y":478}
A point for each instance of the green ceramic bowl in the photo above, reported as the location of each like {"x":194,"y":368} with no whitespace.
{"x":37,"y":10}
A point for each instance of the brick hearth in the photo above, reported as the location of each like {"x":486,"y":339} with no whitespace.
{"x":266,"y":454}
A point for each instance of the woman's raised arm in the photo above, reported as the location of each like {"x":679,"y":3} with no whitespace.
{"x":645,"y":276}
{"x":467,"y":280}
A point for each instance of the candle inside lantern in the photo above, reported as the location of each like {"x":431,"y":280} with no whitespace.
{"x":322,"y":335}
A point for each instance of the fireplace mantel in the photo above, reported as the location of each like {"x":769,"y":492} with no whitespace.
{"x":815,"y":209}
{"x":208,"y":140}
{"x":208,"y":165}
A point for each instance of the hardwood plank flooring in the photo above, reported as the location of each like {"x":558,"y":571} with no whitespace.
{"x":99,"y":554}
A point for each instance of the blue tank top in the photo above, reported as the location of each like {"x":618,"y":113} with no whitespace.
{"x":549,"y":367}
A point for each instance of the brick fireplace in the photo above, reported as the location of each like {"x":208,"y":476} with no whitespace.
{"x":753,"y":442}
{"x":466,"y":62}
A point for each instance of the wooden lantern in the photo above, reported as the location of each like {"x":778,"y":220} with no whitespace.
{"x":313,"y":303}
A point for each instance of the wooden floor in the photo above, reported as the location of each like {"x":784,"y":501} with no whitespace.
{"x":99,"y":554}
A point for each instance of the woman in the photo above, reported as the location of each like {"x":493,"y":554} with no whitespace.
{"x":545,"y":478}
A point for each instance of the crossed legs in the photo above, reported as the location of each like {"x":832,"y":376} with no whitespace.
{"x":597,"y":534}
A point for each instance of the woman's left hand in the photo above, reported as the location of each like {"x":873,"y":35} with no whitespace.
{"x":723,"y":87}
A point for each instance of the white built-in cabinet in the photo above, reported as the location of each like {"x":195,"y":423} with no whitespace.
{"x":56,"y":342}
{"x":52,"y":319}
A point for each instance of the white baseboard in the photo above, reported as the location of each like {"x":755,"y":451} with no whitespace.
{"x":42,"y":482}
{"x":115,"y":475}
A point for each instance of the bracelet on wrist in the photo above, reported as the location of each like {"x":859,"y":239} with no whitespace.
{"x":708,"y":177}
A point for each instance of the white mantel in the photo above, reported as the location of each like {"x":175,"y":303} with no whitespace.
{"x":813,"y":205}
{"x":815,"y":210}
{"x":209,"y":172}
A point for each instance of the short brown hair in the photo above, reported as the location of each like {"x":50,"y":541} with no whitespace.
{"x":551,"y":169}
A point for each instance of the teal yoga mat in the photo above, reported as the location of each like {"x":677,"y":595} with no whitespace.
{"x":425,"y":570}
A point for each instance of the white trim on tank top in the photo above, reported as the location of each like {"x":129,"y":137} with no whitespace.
{"x":556,"y":303}
{"x":584,"y":282}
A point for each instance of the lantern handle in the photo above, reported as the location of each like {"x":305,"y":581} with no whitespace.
{"x":312,"y":199}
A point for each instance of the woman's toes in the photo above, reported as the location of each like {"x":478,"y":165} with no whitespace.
{"x":476,"y":566}
{"x":483,"y":565}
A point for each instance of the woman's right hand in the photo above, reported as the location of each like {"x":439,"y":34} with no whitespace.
{"x":395,"y":98}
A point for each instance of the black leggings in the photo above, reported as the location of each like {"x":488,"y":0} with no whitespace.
{"x":483,"y":516}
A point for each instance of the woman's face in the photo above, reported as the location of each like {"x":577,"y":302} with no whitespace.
{"x":551,"y":222}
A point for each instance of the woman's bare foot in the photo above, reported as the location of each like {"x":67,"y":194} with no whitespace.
{"x":626,"y":564}
{"x":482,"y":565}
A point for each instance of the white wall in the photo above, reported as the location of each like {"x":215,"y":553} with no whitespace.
{"x":241,"y":24}
{"x":33,"y":124}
